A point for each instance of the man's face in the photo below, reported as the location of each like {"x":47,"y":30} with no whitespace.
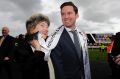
{"x":41,"y":27}
{"x":5,"y":31}
{"x":68,"y":16}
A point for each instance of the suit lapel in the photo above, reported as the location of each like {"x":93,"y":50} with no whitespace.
{"x":69,"y":43}
{"x":1,"y":40}
{"x":5,"y":40}
{"x":68,"y":39}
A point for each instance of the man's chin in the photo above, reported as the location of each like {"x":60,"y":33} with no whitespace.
{"x":67,"y":25}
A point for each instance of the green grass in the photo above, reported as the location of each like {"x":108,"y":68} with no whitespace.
{"x":97,"y":56}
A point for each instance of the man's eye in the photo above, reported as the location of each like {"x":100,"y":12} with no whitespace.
{"x":69,"y":13}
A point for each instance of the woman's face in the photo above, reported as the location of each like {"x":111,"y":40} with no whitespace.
{"x":41,"y":27}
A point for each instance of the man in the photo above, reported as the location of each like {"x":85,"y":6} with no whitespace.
{"x":115,"y":56}
{"x":64,"y":53}
{"x":6,"y":54}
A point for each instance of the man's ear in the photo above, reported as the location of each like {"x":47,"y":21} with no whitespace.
{"x":77,"y":15}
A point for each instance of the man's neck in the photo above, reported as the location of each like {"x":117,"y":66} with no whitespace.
{"x":72,"y":27}
{"x":5,"y":35}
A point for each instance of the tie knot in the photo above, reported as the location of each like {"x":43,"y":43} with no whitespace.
{"x":74,"y":32}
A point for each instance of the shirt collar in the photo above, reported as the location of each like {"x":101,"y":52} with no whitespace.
{"x":68,"y":29}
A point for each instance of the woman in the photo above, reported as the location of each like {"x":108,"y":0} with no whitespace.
{"x":28,"y":53}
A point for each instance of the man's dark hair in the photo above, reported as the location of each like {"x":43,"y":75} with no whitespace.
{"x":69,"y":4}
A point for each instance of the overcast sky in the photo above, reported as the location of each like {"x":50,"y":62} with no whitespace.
{"x":96,"y":16}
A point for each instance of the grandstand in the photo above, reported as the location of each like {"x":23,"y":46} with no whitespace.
{"x":95,"y":40}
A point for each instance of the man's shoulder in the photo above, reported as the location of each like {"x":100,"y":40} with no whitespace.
{"x":11,"y":36}
{"x":0,"y":37}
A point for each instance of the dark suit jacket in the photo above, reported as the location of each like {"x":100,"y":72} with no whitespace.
{"x":31,"y":64}
{"x":116,"y":45}
{"x":6,"y":47}
{"x":115,"y":51}
{"x":65,"y":59}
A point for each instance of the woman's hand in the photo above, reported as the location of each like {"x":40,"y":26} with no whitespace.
{"x":35,"y":44}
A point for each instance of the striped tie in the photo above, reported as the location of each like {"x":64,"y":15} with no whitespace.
{"x":79,"y":52}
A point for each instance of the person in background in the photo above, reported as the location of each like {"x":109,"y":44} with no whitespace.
{"x":115,"y":56}
{"x":68,"y":45}
{"x":109,"y":58}
{"x":28,"y":51}
{"x":102,"y":47}
{"x":6,"y":54}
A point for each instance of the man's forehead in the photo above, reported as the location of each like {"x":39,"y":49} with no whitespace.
{"x":5,"y":28}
